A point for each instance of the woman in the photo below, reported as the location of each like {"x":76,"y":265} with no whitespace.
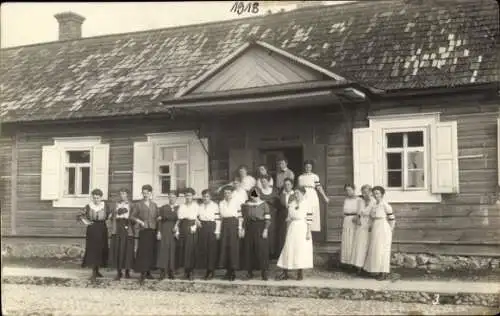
{"x":247,"y":181}
{"x":286,"y":197}
{"x":378,"y":260}
{"x":262,"y":172}
{"x":94,"y":216}
{"x":256,"y":221}
{"x":145,"y":215}
{"x":362,"y":236}
{"x":167,"y":243}
{"x":297,"y":253}
{"x":352,"y":204}
{"x":270,"y":195}
{"x":122,"y":236}
{"x":185,"y":229}
{"x":310,"y":181}
{"x":230,"y":232}
{"x":209,"y":221}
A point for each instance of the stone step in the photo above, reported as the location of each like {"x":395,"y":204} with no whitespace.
{"x":432,"y":292}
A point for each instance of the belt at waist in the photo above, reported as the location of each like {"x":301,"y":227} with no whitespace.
{"x":256,"y":219}
{"x":229,"y":217}
{"x":99,"y":221}
{"x":207,"y":220}
{"x":350,"y":214}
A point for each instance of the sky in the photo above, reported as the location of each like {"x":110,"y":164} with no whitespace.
{"x":24,"y":23}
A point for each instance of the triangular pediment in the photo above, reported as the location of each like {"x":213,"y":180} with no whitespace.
{"x":258,"y":65}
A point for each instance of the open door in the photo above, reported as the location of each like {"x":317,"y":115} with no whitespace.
{"x":317,"y":153}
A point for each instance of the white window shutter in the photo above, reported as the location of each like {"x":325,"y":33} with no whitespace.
{"x":100,"y":168}
{"x":51,"y":173}
{"x":143,"y":168}
{"x":363,"y":147}
{"x":199,"y":165}
{"x":444,"y":162}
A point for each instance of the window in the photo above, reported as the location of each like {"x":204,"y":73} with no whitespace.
{"x":72,"y":168}
{"x":415,"y":157}
{"x":77,"y":172}
{"x":172,"y":168}
{"x":405,"y":155}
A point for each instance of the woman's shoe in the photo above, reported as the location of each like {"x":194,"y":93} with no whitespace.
{"x":282,"y":276}
{"x":300,"y":275}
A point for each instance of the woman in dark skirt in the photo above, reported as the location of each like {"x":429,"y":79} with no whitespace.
{"x":270,"y":195}
{"x":145,"y":214}
{"x":122,"y":236}
{"x":166,"y":236}
{"x":230,"y":231}
{"x":94,"y":216}
{"x":186,"y":227}
{"x":209,"y":218}
{"x":256,"y":221}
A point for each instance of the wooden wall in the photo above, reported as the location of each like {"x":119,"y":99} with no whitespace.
{"x":5,"y":183}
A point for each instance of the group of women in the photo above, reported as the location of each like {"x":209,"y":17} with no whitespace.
{"x":255,"y":221}
{"x":367,"y":231}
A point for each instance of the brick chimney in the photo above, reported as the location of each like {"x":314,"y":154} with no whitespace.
{"x":70,"y":25}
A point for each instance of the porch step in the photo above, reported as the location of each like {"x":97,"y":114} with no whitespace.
{"x":432,"y":292}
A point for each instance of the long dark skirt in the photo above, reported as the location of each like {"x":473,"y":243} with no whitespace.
{"x":166,"y":247}
{"x":273,"y":250}
{"x":121,"y":254}
{"x":280,"y":223}
{"x":207,"y":246}
{"x":145,"y":259}
{"x":187,"y":245}
{"x":229,"y":257}
{"x":256,"y":248}
{"x":96,"y":245}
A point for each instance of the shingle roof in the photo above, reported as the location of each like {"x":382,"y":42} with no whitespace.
{"x":388,"y":45}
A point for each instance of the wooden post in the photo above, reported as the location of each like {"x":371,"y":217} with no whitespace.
{"x":13,"y":184}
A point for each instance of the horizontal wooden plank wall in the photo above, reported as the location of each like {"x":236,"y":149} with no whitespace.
{"x":468,"y":218}
{"x":5,"y":183}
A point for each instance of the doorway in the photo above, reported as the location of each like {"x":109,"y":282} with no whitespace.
{"x":270,"y":156}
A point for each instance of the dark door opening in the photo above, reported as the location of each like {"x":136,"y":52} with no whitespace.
{"x":294,"y":155}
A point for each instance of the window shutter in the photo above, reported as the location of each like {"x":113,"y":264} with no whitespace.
{"x":238,"y":157}
{"x":100,"y":168}
{"x":444,"y":153}
{"x":143,"y":168}
{"x":198,"y":165}
{"x":363,"y":146}
{"x":51,"y":173}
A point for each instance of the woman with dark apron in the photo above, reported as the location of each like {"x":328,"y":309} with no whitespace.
{"x":94,"y":216}
{"x":185,"y":228}
{"x":166,"y":239}
{"x":270,"y":195}
{"x":145,"y":215}
{"x":122,"y":237}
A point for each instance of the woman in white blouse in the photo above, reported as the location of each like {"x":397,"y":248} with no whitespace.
{"x":362,"y":235}
{"x":310,"y":181}
{"x":352,"y":204}
{"x":378,"y":260}
{"x":186,"y":232}
{"x":261,"y":173}
{"x":209,"y":225}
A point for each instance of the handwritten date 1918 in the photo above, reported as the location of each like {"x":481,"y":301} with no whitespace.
{"x":240,"y":7}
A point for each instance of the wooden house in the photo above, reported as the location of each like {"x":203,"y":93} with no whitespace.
{"x":395,"y":93}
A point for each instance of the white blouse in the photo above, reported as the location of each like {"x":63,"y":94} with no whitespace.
{"x":190,"y":211}
{"x":248,"y":182}
{"x":308,"y":180}
{"x":208,"y":212}
{"x":352,"y":205}
{"x":231,"y":208}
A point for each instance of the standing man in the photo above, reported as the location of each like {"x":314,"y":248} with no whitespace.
{"x":283,"y":173}
{"x":145,"y":214}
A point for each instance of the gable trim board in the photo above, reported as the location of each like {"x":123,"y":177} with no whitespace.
{"x":241,"y":51}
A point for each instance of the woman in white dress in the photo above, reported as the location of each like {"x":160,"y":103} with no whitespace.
{"x":362,"y":235}
{"x":378,"y":260}
{"x":352,"y":204}
{"x":247,"y":181}
{"x":262,"y":173}
{"x":310,"y":181}
{"x":297,"y":253}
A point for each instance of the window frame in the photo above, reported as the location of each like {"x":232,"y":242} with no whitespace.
{"x":78,"y":172}
{"x":158,"y":162}
{"x":404,"y":151}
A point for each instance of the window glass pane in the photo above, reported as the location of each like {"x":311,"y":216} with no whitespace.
{"x":416,"y":178}
{"x":85,"y":180}
{"x":394,"y":161}
{"x":416,"y":139}
{"x":181,"y":153}
{"x":181,"y":176}
{"x":394,"y":179}
{"x":415,"y":160}
{"x":79,"y":156}
{"x":394,"y":140}
{"x":167,"y":153}
{"x":165,"y":184}
{"x":70,"y":180}
{"x":165,"y":169}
